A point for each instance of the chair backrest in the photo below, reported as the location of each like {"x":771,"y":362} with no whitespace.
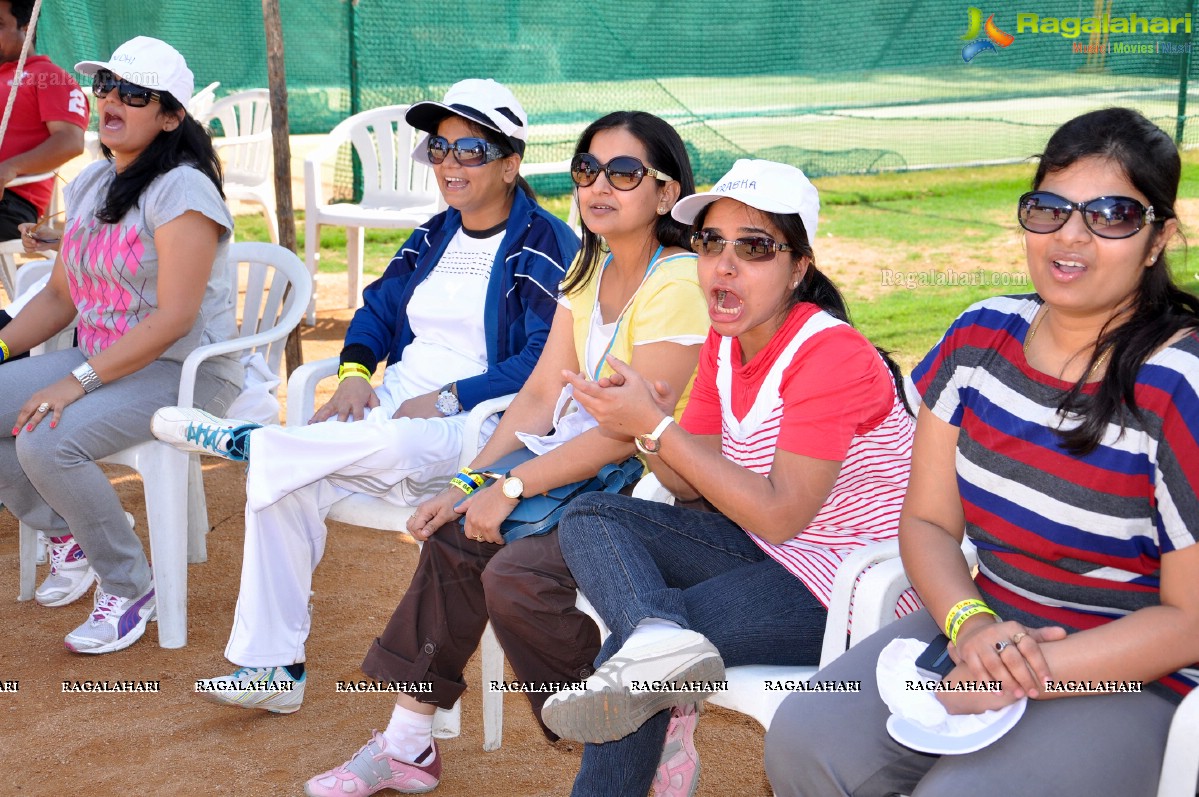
{"x":277,"y":287}
{"x":384,"y":142}
{"x":200,"y":106}
{"x":245,"y":147}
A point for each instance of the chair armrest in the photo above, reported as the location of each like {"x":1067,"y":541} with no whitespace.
{"x":848,"y":590}
{"x":1180,"y":766}
{"x":471,"y":437}
{"x":301,"y":389}
{"x":187,"y":380}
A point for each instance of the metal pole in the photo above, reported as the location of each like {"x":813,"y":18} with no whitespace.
{"x":1184,"y":70}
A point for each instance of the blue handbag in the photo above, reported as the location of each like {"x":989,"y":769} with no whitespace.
{"x":539,"y":514}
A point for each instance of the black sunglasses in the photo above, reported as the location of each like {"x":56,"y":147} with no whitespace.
{"x":624,"y":171}
{"x":467,"y":151}
{"x":130,"y":94}
{"x":1107,"y":216}
{"x":755,"y":250}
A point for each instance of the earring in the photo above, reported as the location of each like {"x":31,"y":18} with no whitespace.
{"x":661,"y":210}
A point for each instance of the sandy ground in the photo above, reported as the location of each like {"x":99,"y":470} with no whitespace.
{"x":174,"y":743}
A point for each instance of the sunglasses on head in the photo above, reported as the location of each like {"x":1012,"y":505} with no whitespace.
{"x":130,"y":94}
{"x":756,"y":249}
{"x":1107,"y":216}
{"x":624,"y":171}
{"x":468,"y":151}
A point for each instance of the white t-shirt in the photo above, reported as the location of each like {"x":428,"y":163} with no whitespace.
{"x":446,"y":314}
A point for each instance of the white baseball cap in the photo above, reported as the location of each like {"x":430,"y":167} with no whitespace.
{"x":148,"y":62}
{"x":765,"y":185}
{"x":484,"y":102}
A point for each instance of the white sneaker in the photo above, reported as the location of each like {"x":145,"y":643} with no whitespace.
{"x":115,"y":623}
{"x":636,"y":683}
{"x":70,"y":576}
{"x":268,"y":688}
{"x":200,"y":432}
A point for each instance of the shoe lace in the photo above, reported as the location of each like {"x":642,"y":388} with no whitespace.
{"x":105,"y":605}
{"x":58,"y":554}
{"x":206,"y":435}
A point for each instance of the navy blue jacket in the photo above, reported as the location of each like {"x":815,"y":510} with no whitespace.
{"x":522,"y":293}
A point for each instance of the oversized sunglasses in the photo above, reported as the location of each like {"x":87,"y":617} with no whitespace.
{"x":624,"y":171}
{"x":755,"y":250}
{"x":130,"y":94}
{"x":1107,"y":216}
{"x":467,"y":151}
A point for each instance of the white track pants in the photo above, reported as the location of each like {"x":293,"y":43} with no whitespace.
{"x":296,"y":474}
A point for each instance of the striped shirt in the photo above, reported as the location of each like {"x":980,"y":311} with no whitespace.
{"x":818,"y":389}
{"x":1075,"y":541}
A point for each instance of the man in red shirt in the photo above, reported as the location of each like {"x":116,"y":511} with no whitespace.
{"x":47,"y":123}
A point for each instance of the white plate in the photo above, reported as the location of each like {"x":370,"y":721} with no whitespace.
{"x":917,"y":737}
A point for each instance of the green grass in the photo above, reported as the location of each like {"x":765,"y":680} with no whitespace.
{"x":925,"y":224}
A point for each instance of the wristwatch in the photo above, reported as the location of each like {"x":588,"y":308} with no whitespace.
{"x":513,"y":488}
{"x":650,"y":443}
{"x":87,"y":377}
{"x":447,"y":400}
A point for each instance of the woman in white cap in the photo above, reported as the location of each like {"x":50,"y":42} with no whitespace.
{"x":798,"y":436}
{"x":142,"y":264}
{"x":632,"y":291}
{"x":500,"y":256}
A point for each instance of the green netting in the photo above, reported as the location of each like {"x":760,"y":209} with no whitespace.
{"x":833,"y":88}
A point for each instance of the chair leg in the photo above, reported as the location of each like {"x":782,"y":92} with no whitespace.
{"x":312,"y":258}
{"x":28,"y":556}
{"x":447,"y":724}
{"x":166,"y":492}
{"x":197,"y":512}
{"x":355,"y":244}
{"x":493,"y":700}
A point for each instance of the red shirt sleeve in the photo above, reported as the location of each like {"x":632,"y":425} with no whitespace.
{"x":59,"y":97}
{"x":838,"y":387}
{"x":702,"y":414}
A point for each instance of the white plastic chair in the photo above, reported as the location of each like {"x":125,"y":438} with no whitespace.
{"x":556,"y":167}
{"x":375,"y":513}
{"x":397,"y":192}
{"x":277,"y":291}
{"x":246,"y":151}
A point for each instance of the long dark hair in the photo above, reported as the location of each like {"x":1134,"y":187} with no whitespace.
{"x":187,"y":143}
{"x":667,"y":153}
{"x":1159,"y":308}
{"x":816,"y":287}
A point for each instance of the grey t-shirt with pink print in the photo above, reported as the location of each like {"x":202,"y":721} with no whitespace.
{"x":112,"y":269}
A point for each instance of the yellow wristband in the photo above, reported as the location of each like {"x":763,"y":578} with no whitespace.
{"x":4,"y":351}
{"x":346,"y":370}
{"x":966,"y":615}
{"x":957,"y":609}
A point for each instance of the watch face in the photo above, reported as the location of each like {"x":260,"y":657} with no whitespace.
{"x":447,"y":403}
{"x":648,"y":444}
{"x":513,"y":487}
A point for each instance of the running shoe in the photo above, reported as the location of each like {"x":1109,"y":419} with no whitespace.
{"x":268,"y":688}
{"x":115,"y":623}
{"x":372,"y":769}
{"x":70,"y":576}
{"x":197,"y":431}
{"x":678,"y":769}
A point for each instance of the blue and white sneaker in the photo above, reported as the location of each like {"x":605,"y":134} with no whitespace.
{"x":115,"y":623}
{"x":196,"y":431}
{"x":268,"y":688}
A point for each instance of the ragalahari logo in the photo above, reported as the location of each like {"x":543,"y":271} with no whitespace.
{"x":979,"y":44}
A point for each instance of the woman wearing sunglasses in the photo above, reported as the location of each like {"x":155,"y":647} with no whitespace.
{"x":795,"y":434}
{"x":499,"y":256}
{"x":1059,"y":431}
{"x":142,"y":264}
{"x":632,"y":292}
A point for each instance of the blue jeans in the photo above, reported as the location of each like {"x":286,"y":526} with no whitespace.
{"x":636,"y":559}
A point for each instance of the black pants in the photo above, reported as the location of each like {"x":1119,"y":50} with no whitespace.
{"x":15,"y":210}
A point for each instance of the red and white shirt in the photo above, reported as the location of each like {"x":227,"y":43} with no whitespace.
{"x":818,"y":389}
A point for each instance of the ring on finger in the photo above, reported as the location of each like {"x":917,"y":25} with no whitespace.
{"x":1017,"y":637}
{"x":43,"y":407}
{"x":1001,"y":646}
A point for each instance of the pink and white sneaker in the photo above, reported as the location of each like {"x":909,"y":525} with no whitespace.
{"x":678,"y":769}
{"x":373,"y":769}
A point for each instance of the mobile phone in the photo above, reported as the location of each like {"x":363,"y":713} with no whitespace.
{"x":934,"y":662}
